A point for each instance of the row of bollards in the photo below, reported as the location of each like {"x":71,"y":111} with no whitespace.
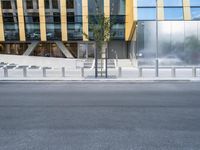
{"x":173,"y":72}
{"x":44,"y":72}
{"x":140,"y":71}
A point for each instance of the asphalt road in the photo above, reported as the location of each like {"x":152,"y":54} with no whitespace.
{"x":99,"y":116}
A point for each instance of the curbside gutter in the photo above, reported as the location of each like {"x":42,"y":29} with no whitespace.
{"x":87,"y":80}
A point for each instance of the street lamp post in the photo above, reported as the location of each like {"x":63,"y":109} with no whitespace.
{"x":157,"y":60}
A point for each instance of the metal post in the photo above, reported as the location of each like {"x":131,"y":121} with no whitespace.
{"x":140,"y":71}
{"x":82,"y":72}
{"x":119,"y":72}
{"x":157,"y":68}
{"x":157,"y":61}
{"x":5,"y":72}
{"x":173,"y":72}
{"x":63,"y":71}
{"x":24,"y":72}
{"x":106,"y":63}
{"x":44,"y":72}
{"x":194,"y":72}
{"x":96,"y":63}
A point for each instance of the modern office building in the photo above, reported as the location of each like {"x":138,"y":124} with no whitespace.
{"x":144,"y":29}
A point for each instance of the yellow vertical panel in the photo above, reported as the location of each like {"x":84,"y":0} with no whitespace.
{"x":2,"y":38}
{"x":20,"y":12}
{"x":160,"y":8}
{"x":107,"y":8}
{"x":63,"y":9}
{"x":85,"y":18}
{"x":186,"y":10}
{"x":42,"y":20}
{"x":129,"y":19}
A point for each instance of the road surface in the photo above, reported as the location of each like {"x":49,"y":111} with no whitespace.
{"x":99,"y":116}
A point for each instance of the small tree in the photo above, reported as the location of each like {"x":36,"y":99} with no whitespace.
{"x":100,"y":26}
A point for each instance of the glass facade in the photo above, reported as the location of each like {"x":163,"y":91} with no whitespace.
{"x":146,"y":9}
{"x":74,"y":19}
{"x":117,"y":11}
{"x":195,"y":13}
{"x":173,"y":13}
{"x":146,"y":3}
{"x":173,"y":3}
{"x":10,"y":19}
{"x":32,"y":20}
{"x":53,"y":21}
{"x":195,"y":9}
{"x":94,"y":8}
{"x":173,"y":9}
{"x":179,"y":42}
{"x":194,"y":3}
{"x":147,"y":13}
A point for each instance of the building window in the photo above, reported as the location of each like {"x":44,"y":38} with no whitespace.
{"x":145,"y":3}
{"x":47,"y":4}
{"x":194,"y":2}
{"x":195,"y":12}
{"x":55,"y":4}
{"x":173,"y":13}
{"x":6,"y":4}
{"x":147,"y":13}
{"x":70,"y":4}
{"x":173,"y":3}
{"x":29,"y":4}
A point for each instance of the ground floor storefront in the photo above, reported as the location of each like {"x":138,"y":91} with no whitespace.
{"x":57,"y":49}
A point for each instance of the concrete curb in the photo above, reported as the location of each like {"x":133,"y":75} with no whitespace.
{"x":99,"y":80}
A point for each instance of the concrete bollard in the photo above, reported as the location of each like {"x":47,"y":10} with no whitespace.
{"x":63,"y":71}
{"x":24,"y":72}
{"x":44,"y":71}
{"x":173,"y":72}
{"x":140,"y":72}
{"x":5,"y":70}
{"x":194,"y":72}
{"x":119,"y":72}
{"x":82,"y":72}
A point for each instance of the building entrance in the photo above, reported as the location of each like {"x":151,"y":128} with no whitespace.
{"x":86,"y":50}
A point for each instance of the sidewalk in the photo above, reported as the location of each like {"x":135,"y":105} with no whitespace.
{"x":126,"y":75}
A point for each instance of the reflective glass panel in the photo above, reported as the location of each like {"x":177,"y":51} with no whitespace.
{"x":146,"y":13}
{"x":143,"y":3}
{"x":173,"y":2}
{"x":195,"y":2}
{"x":195,"y":12}
{"x":173,"y":13}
